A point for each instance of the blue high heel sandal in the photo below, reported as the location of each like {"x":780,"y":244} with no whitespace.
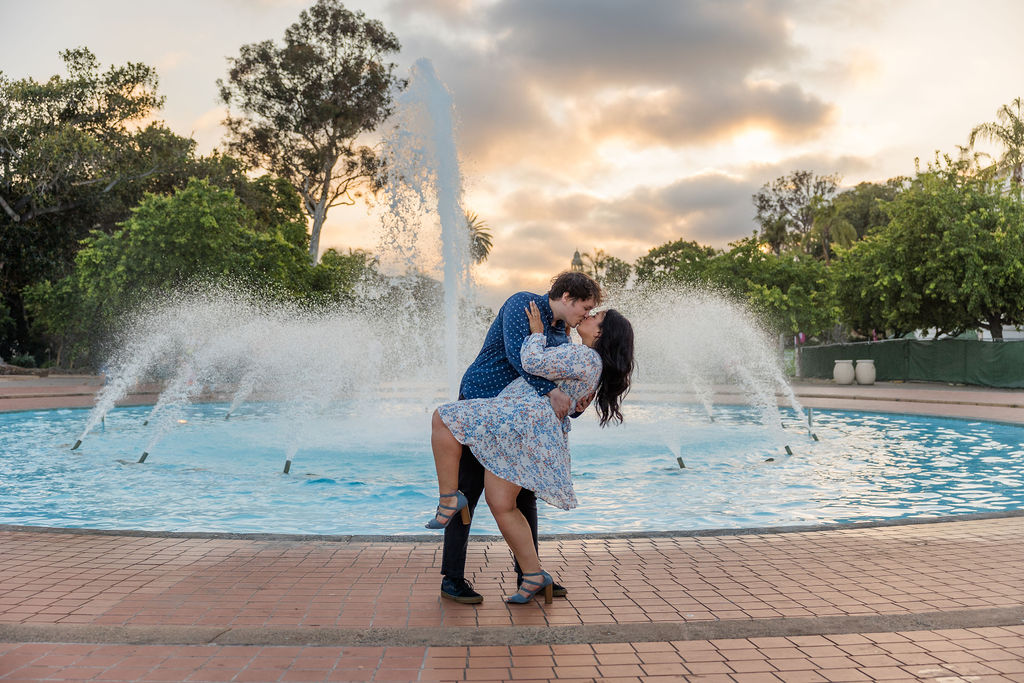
{"x":461,"y":504}
{"x":534,"y":587}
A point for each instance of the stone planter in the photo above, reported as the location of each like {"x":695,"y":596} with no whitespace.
{"x":843,"y":372}
{"x":865,"y":372}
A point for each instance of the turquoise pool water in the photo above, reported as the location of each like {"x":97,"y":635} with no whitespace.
{"x":367,"y":469}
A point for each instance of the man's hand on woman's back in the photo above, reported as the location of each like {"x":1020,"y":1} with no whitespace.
{"x":560,"y":403}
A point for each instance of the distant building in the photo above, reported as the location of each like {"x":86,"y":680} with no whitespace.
{"x":577,"y":262}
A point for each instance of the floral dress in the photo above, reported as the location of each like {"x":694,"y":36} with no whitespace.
{"x":516,"y":434}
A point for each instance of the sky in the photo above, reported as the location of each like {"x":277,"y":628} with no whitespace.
{"x":604,"y":124}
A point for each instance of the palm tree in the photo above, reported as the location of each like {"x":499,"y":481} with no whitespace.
{"x":1007,"y":130}
{"x":829,"y":228}
{"x":480,"y":240}
{"x":594,"y":265}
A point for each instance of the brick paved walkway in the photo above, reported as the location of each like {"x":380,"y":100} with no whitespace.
{"x":845,"y":604}
{"x":937,"y":601}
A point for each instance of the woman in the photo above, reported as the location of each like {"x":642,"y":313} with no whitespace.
{"x":519,"y":440}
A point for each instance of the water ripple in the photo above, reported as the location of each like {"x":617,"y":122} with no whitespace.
{"x":357,"y":473}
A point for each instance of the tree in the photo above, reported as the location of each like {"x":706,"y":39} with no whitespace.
{"x":951,"y":258}
{"x":680,"y":260}
{"x":786,"y":205}
{"x":337,"y":276}
{"x":608,"y":270}
{"x":1008,"y":131}
{"x":862,"y":206}
{"x":303,"y":106}
{"x":73,"y":158}
{"x":829,"y":228}
{"x":480,"y":240}
{"x":791,"y":292}
{"x":201,"y":233}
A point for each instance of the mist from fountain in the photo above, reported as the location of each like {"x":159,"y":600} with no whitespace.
{"x":691,"y":340}
{"x":215,"y":343}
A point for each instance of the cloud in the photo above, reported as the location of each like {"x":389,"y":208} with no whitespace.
{"x":675,"y":117}
{"x":583,"y":44}
{"x":448,"y":10}
{"x":542,"y":228}
{"x":541,"y":84}
{"x":545,"y":228}
{"x":171,"y":60}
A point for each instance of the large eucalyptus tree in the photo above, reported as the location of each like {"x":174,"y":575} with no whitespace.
{"x":299,"y":110}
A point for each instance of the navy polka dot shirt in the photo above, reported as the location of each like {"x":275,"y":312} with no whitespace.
{"x":498,"y":364}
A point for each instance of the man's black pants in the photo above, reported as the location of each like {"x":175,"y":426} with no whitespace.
{"x":456,"y":534}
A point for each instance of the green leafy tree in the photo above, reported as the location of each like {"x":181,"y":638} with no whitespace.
{"x":873,"y":290}
{"x":74,"y":157}
{"x":787,"y":205}
{"x":337,"y":277}
{"x":1007,"y":130}
{"x":480,"y":240}
{"x":680,"y":260}
{"x":951,"y":258}
{"x":200,"y":233}
{"x":608,"y":270}
{"x":830,"y":229}
{"x":302,"y":107}
{"x":862,"y":206}
{"x":792,"y":292}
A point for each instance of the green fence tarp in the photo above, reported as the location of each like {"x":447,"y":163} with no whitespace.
{"x":960,"y":361}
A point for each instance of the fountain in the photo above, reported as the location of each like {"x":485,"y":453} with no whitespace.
{"x":344,"y":394}
{"x":422,"y":172}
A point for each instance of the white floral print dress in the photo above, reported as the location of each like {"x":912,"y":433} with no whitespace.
{"x":516,"y":434}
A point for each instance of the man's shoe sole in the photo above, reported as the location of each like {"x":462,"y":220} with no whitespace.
{"x":464,"y":600}
{"x":559,"y":592}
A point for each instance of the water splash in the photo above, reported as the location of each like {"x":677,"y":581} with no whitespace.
{"x":696,"y":339}
{"x":423,"y":179}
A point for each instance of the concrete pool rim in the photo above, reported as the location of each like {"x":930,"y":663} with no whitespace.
{"x":428,"y":538}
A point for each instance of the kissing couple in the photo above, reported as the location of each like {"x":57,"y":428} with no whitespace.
{"x":508,"y":434}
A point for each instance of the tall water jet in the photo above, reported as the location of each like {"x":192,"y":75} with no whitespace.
{"x":422,"y":177}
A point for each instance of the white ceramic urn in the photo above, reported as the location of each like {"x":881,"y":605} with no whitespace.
{"x":842,"y":373}
{"x":865,"y":372}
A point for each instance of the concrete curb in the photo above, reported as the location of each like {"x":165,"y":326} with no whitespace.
{"x":512,"y":635}
{"x":435,"y":538}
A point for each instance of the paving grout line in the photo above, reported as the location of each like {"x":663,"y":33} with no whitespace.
{"x":512,"y":635}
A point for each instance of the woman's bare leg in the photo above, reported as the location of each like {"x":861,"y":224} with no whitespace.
{"x":501,"y":498}
{"x":447,"y":454}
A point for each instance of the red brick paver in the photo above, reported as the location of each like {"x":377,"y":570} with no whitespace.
{"x":983,"y":654}
{"x":57,"y":578}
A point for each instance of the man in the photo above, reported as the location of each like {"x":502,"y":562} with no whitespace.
{"x":570,"y":299}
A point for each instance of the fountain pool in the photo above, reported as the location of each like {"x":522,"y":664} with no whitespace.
{"x":365,"y":468}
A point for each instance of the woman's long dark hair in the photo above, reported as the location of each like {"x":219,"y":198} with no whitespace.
{"x":615,"y":346}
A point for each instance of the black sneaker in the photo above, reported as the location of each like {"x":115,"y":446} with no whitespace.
{"x":460,"y":590}
{"x":557,"y":589}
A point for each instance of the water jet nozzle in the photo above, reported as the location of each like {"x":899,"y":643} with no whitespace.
{"x":77,"y":444}
{"x":145,"y":454}
{"x":682,"y":465}
{"x":789,"y":451}
{"x":814,"y":436}
{"x":287,"y":466}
